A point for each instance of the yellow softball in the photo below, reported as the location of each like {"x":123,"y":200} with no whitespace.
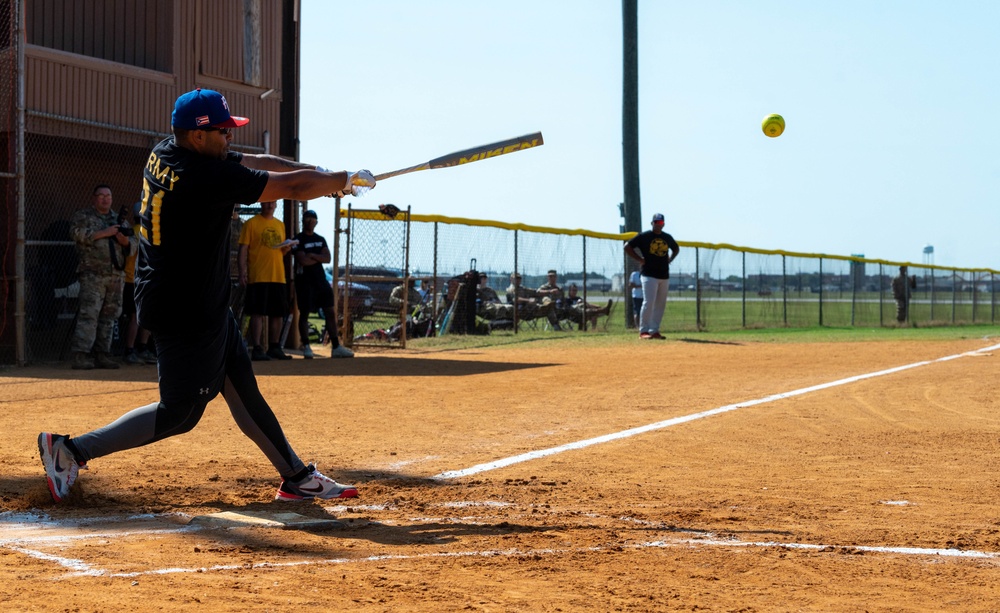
{"x":773,"y":125}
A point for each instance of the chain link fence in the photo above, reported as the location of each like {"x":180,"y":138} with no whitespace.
{"x":50,"y":164}
{"x":11,"y":335}
{"x":430,"y":257}
{"x":712,"y":286}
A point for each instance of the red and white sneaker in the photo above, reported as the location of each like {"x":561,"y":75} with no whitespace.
{"x":61,"y":468}
{"x":316,"y":485}
{"x":645,"y":335}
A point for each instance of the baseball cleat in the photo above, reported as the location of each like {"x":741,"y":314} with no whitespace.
{"x":316,"y":485}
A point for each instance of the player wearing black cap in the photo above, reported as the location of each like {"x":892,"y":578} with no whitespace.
{"x":191,"y":183}
{"x":654,"y":250}
{"x":312,"y":291}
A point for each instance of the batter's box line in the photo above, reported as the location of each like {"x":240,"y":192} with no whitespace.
{"x":81,"y":568}
{"x":513,"y":553}
{"x":615,"y":436}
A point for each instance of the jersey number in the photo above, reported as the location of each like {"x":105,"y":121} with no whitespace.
{"x":152,"y":203}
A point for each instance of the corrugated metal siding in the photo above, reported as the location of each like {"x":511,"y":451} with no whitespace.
{"x":221,"y":37}
{"x":90,"y":94}
{"x":224,"y":42}
{"x":69,"y":85}
{"x":134,"y":32}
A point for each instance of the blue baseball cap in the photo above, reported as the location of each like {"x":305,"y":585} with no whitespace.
{"x":204,"y":108}
{"x":658,"y":218}
{"x":310,"y":213}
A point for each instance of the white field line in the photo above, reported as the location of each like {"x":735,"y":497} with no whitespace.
{"x":79,"y":568}
{"x":911,"y":551}
{"x":513,"y":553}
{"x":18,"y":536}
{"x":541,"y":453}
{"x":83,"y":569}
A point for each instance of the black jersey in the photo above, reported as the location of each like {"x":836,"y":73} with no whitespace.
{"x":313,"y":244}
{"x":655,"y":249}
{"x":182,"y":273}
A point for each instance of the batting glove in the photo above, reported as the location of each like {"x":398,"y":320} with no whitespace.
{"x":358,"y":184}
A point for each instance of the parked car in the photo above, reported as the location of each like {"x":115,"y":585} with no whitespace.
{"x":360,"y":297}
{"x":380,"y":290}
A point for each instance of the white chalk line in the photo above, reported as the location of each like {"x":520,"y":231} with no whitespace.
{"x":541,"y":453}
{"x":83,"y":569}
{"x":490,"y":553}
{"x":20,"y":531}
{"x":514,"y":553}
{"x":79,"y":568}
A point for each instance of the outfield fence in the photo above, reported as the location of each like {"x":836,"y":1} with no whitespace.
{"x":712,"y":286}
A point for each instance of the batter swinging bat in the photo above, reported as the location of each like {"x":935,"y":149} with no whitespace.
{"x":472,"y":155}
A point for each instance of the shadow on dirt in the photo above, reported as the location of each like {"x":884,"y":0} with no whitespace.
{"x":388,"y":516}
{"x":367,"y":366}
{"x":708,"y":342}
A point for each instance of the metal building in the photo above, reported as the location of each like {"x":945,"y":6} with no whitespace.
{"x":86,"y":90}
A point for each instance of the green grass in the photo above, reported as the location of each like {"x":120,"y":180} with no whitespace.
{"x":771,"y":335}
{"x":723,"y":319}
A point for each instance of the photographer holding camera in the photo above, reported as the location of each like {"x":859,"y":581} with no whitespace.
{"x":102,"y":247}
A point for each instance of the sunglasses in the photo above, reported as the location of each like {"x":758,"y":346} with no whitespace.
{"x":222,"y":131}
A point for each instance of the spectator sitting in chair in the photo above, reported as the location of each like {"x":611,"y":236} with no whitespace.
{"x":576,"y":308}
{"x":428,"y":296}
{"x":413,"y":298}
{"x":528,"y":302}
{"x":489,"y":304}
{"x":551,"y":290}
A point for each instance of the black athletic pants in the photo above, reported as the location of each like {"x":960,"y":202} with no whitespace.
{"x":192,"y":371}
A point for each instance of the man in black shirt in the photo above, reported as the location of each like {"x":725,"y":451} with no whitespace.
{"x":654,"y":250}
{"x":312,"y":291}
{"x":191,"y":183}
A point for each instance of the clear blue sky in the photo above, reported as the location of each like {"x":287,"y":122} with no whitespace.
{"x":892,"y":111}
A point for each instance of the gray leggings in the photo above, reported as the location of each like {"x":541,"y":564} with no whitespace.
{"x":193,"y":371}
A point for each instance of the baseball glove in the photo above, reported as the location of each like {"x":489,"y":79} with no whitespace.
{"x":389,"y":210}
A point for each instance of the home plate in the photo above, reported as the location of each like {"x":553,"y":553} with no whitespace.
{"x":287,"y":521}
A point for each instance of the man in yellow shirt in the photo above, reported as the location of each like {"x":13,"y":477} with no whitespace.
{"x":262,"y":272}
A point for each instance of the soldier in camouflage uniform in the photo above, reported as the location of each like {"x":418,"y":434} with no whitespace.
{"x":489,"y":305}
{"x":529,"y":304}
{"x":102,"y":250}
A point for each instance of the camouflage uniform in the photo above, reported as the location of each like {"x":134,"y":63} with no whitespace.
{"x":101,"y":282}
{"x":490,"y":307}
{"x":559,"y":310}
{"x":538,"y":307}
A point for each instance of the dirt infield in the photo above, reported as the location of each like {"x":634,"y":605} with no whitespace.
{"x":759,"y":488}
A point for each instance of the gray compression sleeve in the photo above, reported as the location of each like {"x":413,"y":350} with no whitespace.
{"x":133,"y":429}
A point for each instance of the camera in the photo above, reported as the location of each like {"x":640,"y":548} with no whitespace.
{"x":124,"y":227}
